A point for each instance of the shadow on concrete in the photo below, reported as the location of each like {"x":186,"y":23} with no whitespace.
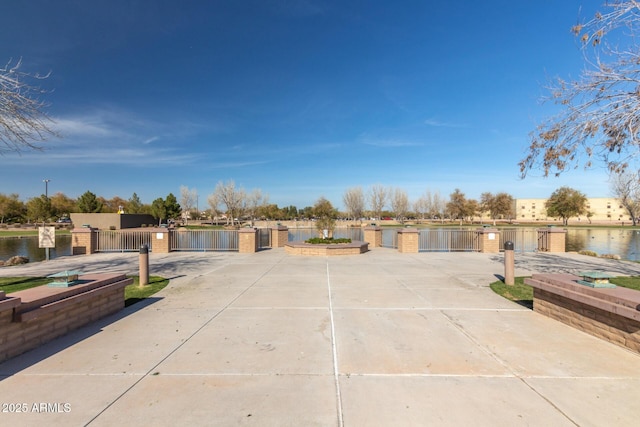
{"x":31,"y":357}
{"x":555,"y":263}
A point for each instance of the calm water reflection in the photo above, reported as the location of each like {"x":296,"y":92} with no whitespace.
{"x":28,"y":247}
{"x":623,"y":242}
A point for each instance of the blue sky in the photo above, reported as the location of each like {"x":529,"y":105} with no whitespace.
{"x":300,"y":99}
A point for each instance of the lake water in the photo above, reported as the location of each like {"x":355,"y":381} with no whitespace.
{"x":623,"y":242}
{"x":28,"y":247}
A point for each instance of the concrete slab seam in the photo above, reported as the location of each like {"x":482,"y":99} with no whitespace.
{"x":336,"y":371}
{"x":149,"y":372}
{"x":506,"y":366}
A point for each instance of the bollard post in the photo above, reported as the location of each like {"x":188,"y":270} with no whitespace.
{"x":508,"y":264}
{"x":144,"y":265}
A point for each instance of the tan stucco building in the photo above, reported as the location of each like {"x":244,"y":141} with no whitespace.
{"x":601,"y":209}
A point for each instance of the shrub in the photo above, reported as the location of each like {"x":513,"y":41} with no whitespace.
{"x":320,"y":241}
{"x":610,"y":256}
{"x":588,"y":253}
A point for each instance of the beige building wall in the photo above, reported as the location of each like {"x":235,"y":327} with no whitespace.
{"x":602,"y":209}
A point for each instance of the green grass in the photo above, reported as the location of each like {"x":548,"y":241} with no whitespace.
{"x":15,"y":284}
{"x":28,"y":232}
{"x":132,"y":293}
{"x":519,"y":292}
{"x":631,"y":282}
{"x":523,"y":294}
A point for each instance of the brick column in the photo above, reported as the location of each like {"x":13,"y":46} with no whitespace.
{"x":161,"y":241}
{"x":489,"y":240}
{"x":248,"y":240}
{"x":552,"y":239}
{"x":408,"y":240}
{"x":279,"y":236}
{"x":373,"y":235}
{"x":84,"y":241}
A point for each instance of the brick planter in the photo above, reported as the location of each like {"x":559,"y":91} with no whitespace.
{"x":610,"y":314}
{"x":35,"y":316}
{"x":302,"y":248}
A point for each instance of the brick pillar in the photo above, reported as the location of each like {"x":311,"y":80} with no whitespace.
{"x":161,"y":240}
{"x":84,"y":241}
{"x":248,"y":240}
{"x":408,"y":240}
{"x":279,"y":236}
{"x":489,"y":240}
{"x":552,"y":239}
{"x":373,"y":235}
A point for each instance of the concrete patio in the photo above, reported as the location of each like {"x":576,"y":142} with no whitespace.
{"x":379,"y":339}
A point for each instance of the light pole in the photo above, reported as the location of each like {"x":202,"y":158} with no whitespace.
{"x":46,"y":187}
{"x":46,"y":195}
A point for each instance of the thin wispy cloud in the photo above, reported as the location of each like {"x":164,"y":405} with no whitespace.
{"x":391,"y":143}
{"x":444,"y":124}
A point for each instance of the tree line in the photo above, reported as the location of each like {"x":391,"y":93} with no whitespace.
{"x":233,"y":205}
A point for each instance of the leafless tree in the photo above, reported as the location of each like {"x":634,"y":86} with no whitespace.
{"x":353,"y":200}
{"x":399,"y":204}
{"x":600,"y":116}
{"x":438,"y":206}
{"x":187,"y":200}
{"x":233,"y":199}
{"x":23,"y":122}
{"x":626,"y":187}
{"x":254,"y":201}
{"x":378,"y":195}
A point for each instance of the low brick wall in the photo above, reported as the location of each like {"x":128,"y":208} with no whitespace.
{"x":35,"y":316}
{"x":609,"y":314}
{"x":301,"y":248}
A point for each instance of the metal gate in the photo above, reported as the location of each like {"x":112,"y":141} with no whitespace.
{"x":524,"y":240}
{"x":204,"y":240}
{"x":122,"y":241}
{"x":447,"y":240}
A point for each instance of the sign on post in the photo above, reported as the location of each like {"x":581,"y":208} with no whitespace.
{"x":46,"y":237}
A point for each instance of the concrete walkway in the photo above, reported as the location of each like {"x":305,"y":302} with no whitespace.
{"x":380,"y":339}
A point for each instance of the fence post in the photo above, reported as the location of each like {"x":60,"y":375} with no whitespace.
{"x":248,"y":240}
{"x":552,"y":239}
{"x":489,"y":240}
{"x":509,"y":264}
{"x":160,"y":241}
{"x":408,"y":240}
{"x":84,"y":241}
{"x":373,"y":236}
{"x":279,"y":236}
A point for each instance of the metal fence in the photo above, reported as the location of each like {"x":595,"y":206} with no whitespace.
{"x":204,"y":240}
{"x":264,"y":238}
{"x":524,"y":239}
{"x":390,"y":238}
{"x":447,"y":240}
{"x":122,"y":241}
{"x":301,"y":234}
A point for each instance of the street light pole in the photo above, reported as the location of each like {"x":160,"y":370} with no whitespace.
{"x":46,"y":187}
{"x":46,"y":195}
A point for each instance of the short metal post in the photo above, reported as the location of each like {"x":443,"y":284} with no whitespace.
{"x":509,"y":264}
{"x":144,"y":265}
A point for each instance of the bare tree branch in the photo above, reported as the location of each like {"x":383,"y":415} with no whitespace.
{"x":23,"y":123}
{"x":600,"y":116}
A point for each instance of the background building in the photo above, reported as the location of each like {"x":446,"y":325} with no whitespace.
{"x":600,"y":209}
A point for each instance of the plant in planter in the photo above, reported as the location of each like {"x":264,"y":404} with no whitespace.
{"x":326,"y":216}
